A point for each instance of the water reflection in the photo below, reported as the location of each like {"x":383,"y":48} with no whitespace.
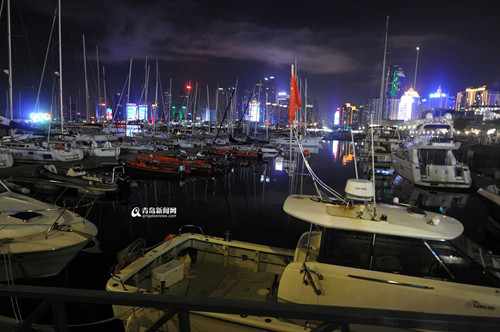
{"x":439,"y":201}
{"x":343,"y":151}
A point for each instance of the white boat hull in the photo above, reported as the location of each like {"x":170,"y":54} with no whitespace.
{"x":41,"y":156}
{"x":38,"y":264}
{"x":362,"y":288}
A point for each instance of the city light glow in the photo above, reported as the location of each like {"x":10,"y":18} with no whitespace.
{"x":40,"y":117}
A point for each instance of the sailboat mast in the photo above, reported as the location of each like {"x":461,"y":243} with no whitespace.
{"x":87,"y":109}
{"x":128,"y":91}
{"x":305,"y":108}
{"x":98,"y":76}
{"x":60,"y":72}
{"x":155,"y":108}
{"x":208,"y":107}
{"x":381,"y":97}
{"x":10,"y":66}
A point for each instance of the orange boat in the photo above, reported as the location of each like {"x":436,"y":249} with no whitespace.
{"x":155,"y":164}
{"x":149,"y":165}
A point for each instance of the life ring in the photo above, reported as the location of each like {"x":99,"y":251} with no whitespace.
{"x":168,"y":237}
{"x":59,"y":146}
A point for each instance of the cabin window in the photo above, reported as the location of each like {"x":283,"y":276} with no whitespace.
{"x":462,"y":268}
{"x":402,"y":255}
{"x":432,"y":157}
{"x":47,"y":156}
{"x":345,"y":248}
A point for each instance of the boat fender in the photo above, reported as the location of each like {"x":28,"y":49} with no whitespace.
{"x":168,"y":237}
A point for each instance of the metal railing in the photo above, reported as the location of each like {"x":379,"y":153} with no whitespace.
{"x":332,"y":317}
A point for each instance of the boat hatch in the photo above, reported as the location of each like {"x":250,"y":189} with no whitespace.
{"x":25,"y":216}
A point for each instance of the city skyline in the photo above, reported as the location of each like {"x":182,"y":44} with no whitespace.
{"x":338,"y":47}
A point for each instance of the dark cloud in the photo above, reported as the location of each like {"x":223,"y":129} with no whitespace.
{"x":338,"y":45}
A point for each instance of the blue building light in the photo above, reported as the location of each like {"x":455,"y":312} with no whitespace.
{"x":437,"y":95}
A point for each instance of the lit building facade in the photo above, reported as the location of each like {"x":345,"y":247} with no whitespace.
{"x":282,"y":101}
{"x":369,"y":110}
{"x":348,"y":115}
{"x":408,"y":106}
{"x":479,"y":101}
{"x":393,"y":92}
{"x":473,"y":99}
{"x":394,"y":82}
{"x":268,"y":100}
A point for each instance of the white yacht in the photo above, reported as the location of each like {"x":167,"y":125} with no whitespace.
{"x":396,"y":258}
{"x":385,"y":138}
{"x":36,"y":152}
{"x":38,"y":239}
{"x":427,"y":158}
{"x":105,"y":149}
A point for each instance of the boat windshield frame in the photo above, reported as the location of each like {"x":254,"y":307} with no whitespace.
{"x":433,"y":259}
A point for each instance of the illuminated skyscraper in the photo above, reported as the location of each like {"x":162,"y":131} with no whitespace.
{"x":394,"y":82}
{"x":408,"y":105}
{"x":268,"y":100}
{"x":349,"y":115}
{"x":474,"y":98}
{"x":393,"y":92}
{"x":282,"y":101}
{"x":480,"y":101}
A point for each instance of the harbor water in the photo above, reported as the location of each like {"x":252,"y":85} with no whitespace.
{"x":243,"y":204}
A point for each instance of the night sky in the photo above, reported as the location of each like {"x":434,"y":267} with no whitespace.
{"x":338,"y":45}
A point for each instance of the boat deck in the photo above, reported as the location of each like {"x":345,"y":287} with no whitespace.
{"x":216,"y":280}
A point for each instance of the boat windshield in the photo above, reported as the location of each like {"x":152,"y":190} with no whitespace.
{"x":408,"y":256}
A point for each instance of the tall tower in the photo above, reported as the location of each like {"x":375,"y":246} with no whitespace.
{"x":268,"y":100}
{"x":395,"y":80}
{"x":393,"y":92}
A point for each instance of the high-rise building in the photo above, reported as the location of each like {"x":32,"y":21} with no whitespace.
{"x":394,"y":82}
{"x":477,"y":99}
{"x":282,"y":101}
{"x":369,"y":110}
{"x":268,"y":99}
{"x":408,"y":106}
{"x":393,"y":92}
{"x":349,"y":115}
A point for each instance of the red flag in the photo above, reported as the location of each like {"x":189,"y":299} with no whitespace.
{"x":295,"y":102}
